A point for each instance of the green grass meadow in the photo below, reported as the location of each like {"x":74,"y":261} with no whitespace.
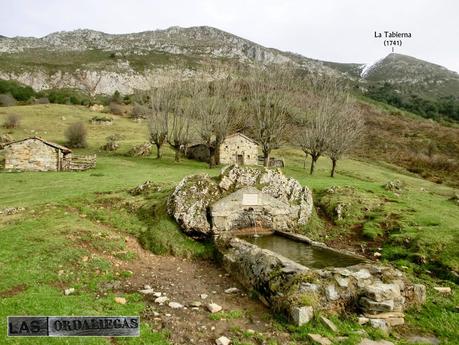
{"x":41,"y":247}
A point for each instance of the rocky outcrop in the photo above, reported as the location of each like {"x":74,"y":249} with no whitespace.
{"x":140,"y":150}
{"x":380,"y":292}
{"x":5,"y":139}
{"x":240,"y":197}
{"x":167,"y":55}
{"x":189,"y":202}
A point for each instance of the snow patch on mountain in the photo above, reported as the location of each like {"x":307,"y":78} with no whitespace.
{"x":366,"y":68}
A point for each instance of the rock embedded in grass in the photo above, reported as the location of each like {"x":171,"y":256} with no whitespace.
{"x":367,"y":341}
{"x":120,"y":300}
{"x":443,"y":290}
{"x":329,"y":324}
{"x":302,"y":315}
{"x":69,"y":291}
{"x":318,"y":339}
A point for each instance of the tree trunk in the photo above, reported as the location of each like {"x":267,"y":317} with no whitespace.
{"x":266,"y":159}
{"x":177,"y":155}
{"x":158,"y":151}
{"x":333,"y":167}
{"x":211,"y":157}
{"x":313,"y":163}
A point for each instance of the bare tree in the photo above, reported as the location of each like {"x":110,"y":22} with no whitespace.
{"x":89,"y":81}
{"x":158,"y":128}
{"x":313,"y":137}
{"x":212,"y":106}
{"x":269,"y":102}
{"x":326,"y":109}
{"x":179,"y":129}
{"x":345,"y":130}
{"x":163,"y":102}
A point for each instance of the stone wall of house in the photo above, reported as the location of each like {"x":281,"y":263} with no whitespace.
{"x":198,"y":152}
{"x":31,"y":155}
{"x":236,"y":145}
{"x":380,"y":293}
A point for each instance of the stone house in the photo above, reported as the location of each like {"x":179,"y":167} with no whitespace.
{"x":36,"y":154}
{"x":239,"y":149}
{"x":235,"y":149}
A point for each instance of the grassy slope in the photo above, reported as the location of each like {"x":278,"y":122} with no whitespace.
{"x":429,"y":220}
{"x":53,"y":62}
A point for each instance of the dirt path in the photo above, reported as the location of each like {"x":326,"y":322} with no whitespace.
{"x":184,"y":281}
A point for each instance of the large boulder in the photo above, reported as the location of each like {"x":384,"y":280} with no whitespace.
{"x":5,"y":139}
{"x":274,"y":183}
{"x":194,"y":198}
{"x":189,"y":202}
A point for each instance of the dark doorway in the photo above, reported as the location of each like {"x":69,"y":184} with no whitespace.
{"x":240,"y":159}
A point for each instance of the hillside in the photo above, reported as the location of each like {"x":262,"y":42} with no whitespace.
{"x":411,"y":75}
{"x":92,"y":225}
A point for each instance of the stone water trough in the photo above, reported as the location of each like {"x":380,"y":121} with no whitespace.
{"x":255,"y":216}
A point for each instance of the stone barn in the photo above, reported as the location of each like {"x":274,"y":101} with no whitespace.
{"x":235,"y":149}
{"x":36,"y":154}
{"x":239,"y":149}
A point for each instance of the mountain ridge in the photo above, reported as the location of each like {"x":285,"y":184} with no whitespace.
{"x":126,"y":62}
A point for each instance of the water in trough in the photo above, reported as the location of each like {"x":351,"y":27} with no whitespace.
{"x":303,"y":253}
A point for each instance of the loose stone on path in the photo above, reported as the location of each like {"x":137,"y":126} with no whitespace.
{"x":222,"y":341}
{"x":161,"y":300}
{"x":175,"y":305}
{"x":214,"y":308}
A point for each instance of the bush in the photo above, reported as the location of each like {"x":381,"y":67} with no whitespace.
{"x":112,"y":143}
{"x":18,"y":91}
{"x":139,"y":111}
{"x":98,"y":118}
{"x":12,"y":121}
{"x":42,"y":100}
{"x":76,"y":135}
{"x":6,"y":100}
{"x":116,"y":109}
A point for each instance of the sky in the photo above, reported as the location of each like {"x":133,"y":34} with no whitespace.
{"x":332,"y":30}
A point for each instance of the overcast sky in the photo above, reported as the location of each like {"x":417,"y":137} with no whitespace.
{"x":334,"y":30}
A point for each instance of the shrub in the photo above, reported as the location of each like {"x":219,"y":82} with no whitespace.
{"x":98,"y":118}
{"x":6,"y":100}
{"x":12,"y":121}
{"x":42,"y":100}
{"x":76,"y":135}
{"x":112,"y":143}
{"x":116,"y":108}
{"x":18,"y":91}
{"x":139,"y":111}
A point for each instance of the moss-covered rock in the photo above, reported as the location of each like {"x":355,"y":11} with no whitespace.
{"x":189,"y":202}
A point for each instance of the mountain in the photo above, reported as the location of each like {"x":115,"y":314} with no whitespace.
{"x":98,"y":62}
{"x":103,"y":63}
{"x":409,"y":74}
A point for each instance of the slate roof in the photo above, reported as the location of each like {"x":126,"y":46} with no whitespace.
{"x":49,"y":143}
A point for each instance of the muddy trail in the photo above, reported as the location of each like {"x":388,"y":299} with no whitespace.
{"x":194,"y":284}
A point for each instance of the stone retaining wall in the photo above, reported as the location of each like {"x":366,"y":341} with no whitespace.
{"x":381,"y":293}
